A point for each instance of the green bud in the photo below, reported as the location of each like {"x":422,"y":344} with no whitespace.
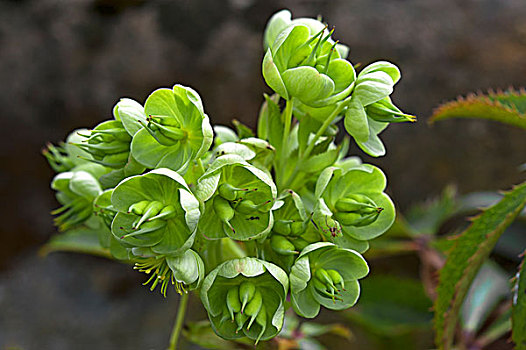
{"x":282,"y":227}
{"x":227,"y":191}
{"x":151,"y":210}
{"x":351,"y":205}
{"x":323,"y":276}
{"x":146,"y":227}
{"x":58,"y":158}
{"x":348,"y":219}
{"x":337,"y":279}
{"x":297,"y":228}
{"x":246,"y":293}
{"x":282,"y":245}
{"x":240,"y":321}
{"x":253,"y":307}
{"x":232,"y":301}
{"x":224,"y":210}
{"x":166,"y":213}
{"x":300,"y":243}
{"x":261,"y":320}
{"x":246,"y":206}
{"x":138,"y":208}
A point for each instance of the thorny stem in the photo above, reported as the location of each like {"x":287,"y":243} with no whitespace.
{"x":176,"y":330}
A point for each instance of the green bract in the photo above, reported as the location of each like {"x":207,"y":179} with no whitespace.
{"x":353,"y":199}
{"x":326,"y":275}
{"x":237,"y":197}
{"x":303,"y":63}
{"x":177,"y":129}
{"x":245,"y":297}
{"x":155,"y":211}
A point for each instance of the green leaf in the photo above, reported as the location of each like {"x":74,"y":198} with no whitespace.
{"x":79,"y":240}
{"x":507,"y":107}
{"x":243,"y":131}
{"x":469,"y":252}
{"x":518,"y":317}
{"x":318,"y":162}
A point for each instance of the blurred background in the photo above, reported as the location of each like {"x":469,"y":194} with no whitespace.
{"x":64,"y":64}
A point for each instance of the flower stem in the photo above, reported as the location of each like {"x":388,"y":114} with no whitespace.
{"x":320,"y":132}
{"x":287,"y":121}
{"x":181,"y":311}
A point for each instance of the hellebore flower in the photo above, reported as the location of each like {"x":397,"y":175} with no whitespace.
{"x":176,"y":131}
{"x":304,"y":63}
{"x":156,"y":211}
{"x":326,"y":275}
{"x":245,"y":297}
{"x":353,"y":201}
{"x":237,"y":197}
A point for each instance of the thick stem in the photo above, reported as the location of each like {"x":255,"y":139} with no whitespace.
{"x":181,"y":311}
{"x":287,"y":116}
{"x":287,"y":120}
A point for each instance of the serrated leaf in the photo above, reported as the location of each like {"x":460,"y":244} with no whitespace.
{"x":507,"y":107}
{"x":518,"y":316}
{"x":469,"y":252}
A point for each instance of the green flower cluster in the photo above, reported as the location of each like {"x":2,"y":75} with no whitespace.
{"x":246,"y":219}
